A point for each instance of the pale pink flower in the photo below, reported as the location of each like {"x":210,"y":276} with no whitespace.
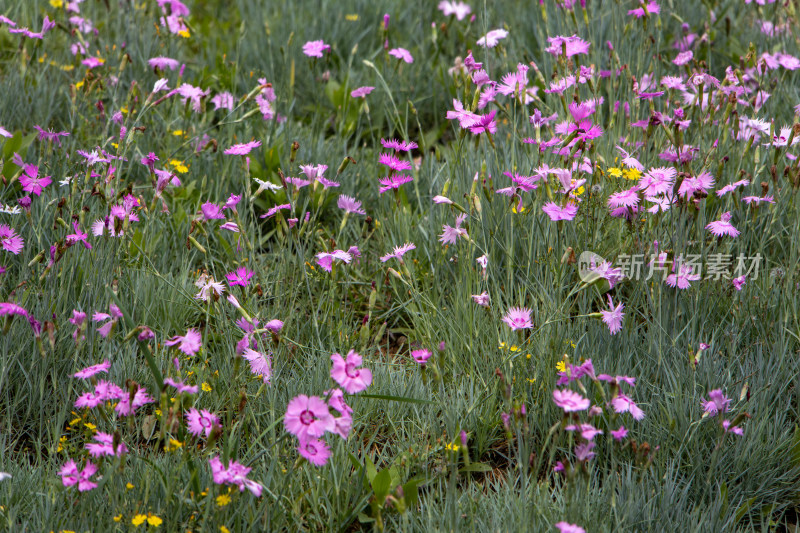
{"x":345,"y":373}
{"x":188,"y":344}
{"x":518,"y":318}
{"x":361,"y":92}
{"x":401,"y":53}
{"x":260,"y":364}
{"x":491,"y":39}
{"x":198,"y":422}
{"x":90,"y":371}
{"x":570,"y":401}
{"x":242,"y":149}
{"x":316,"y":451}
{"x":481,"y":299}
{"x":623,"y":404}
{"x":398,"y":252}
{"x":723,"y":226}
{"x":307,"y":417}
{"x":613,"y":317}
{"x":315,"y":48}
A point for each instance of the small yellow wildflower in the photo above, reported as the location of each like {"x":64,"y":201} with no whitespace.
{"x":615,"y":172}
{"x":123,"y":110}
{"x":129,"y":485}
{"x":531,"y":380}
{"x":74,"y":421}
{"x":452,"y":447}
{"x":351,"y":18}
{"x":521,"y":210}
{"x":502,"y":345}
{"x":224,"y":529}
{"x":90,"y":426}
{"x":223,"y":500}
{"x":514,"y":348}
{"x":118,"y":518}
{"x":177,"y":133}
{"x":138,"y":520}
{"x":527,"y":356}
{"x":154,"y":521}
{"x":561,"y":366}
{"x":173,"y":445}
{"x":206,"y":387}
{"x":58,"y":4}
{"x":632,"y":174}
{"x":184,"y":34}
{"x":179,"y":166}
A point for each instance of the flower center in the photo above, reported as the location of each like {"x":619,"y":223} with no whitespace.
{"x":350,"y":370}
{"x":306,"y":417}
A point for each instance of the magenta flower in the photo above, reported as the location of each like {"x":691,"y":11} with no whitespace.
{"x":564,"y":527}
{"x":211,"y":211}
{"x":399,"y":146}
{"x":587,"y":431}
{"x":242,"y":149}
{"x":683,"y":57}
{"x":10,"y":241}
{"x":350,"y":205}
{"x":393,"y":182}
{"x":649,"y":8}
{"x":188,"y":344}
{"x":518,"y":318}
{"x":274,"y":209}
{"x":111,"y":319}
{"x":556,"y":212}
{"x":361,"y":92}
{"x":274,"y":325}
{"x":613,"y":317}
{"x":732,"y":187}
{"x":739,"y":282}
{"x":223,"y":101}
{"x":240,"y":276}
{"x":623,"y":404}
{"x":70,"y":475}
{"x":421,"y":356}
{"x":491,"y":39}
{"x":90,"y":371}
{"x":570,"y":401}
{"x":393,"y":162}
{"x":484,"y":124}
{"x":399,"y":252}
{"x":315,"y":48}
{"x":181,"y":387}
{"x":260,"y":364}
{"x":52,"y":136}
{"x":619,"y":434}
{"x":716,"y":403}
{"x":307,"y":417}
{"x":198,"y":422}
{"x":325,"y":259}
{"x":696,"y":185}
{"x":481,"y":299}
{"x":344,"y":372}
{"x":163,"y":63}
{"x":459,"y":9}
{"x":573,"y":45}
{"x":627,"y":198}
{"x":723,"y":226}
{"x":736,"y":430}
{"x":316,"y":451}
{"x":401,"y":53}
{"x":681,"y":280}
{"x":105,"y":446}
{"x":234,"y":474}
{"x":127,"y":407}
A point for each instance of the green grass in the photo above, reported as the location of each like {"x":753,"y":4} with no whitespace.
{"x":674,"y":472}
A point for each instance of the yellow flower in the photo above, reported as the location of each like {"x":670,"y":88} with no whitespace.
{"x":58,"y":4}
{"x":632,"y":174}
{"x":561,"y":366}
{"x":118,"y":518}
{"x":90,"y":426}
{"x":615,"y":172}
{"x":514,"y":210}
{"x":224,"y":529}
{"x":206,"y":387}
{"x":173,"y":445}
{"x":177,"y":133}
{"x":527,"y":356}
{"x":580,"y":190}
{"x":184,"y":34}
{"x":138,"y":520}
{"x":179,"y":166}
{"x":223,"y":500}
{"x":514,"y":348}
{"x":129,"y":485}
{"x":73,"y":422}
{"x":531,"y":380}
{"x":153,"y":520}
{"x":502,"y":345}
{"x":79,"y":84}
{"x":452,"y":447}
{"x":351,"y":18}
{"x":123,"y":110}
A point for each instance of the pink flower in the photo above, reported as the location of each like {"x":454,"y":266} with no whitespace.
{"x":739,"y":282}
{"x":399,"y":146}
{"x":199,"y":422}
{"x":345,"y":373}
{"x":613,"y":317}
{"x":481,"y":299}
{"x":315,"y":450}
{"x":451,"y":234}
{"x":459,"y":9}
{"x":325,"y":259}
{"x":315,"y":48}
{"x":188,"y":344}
{"x":105,"y":446}
{"x":240,"y":276}
{"x":361,"y":92}
{"x":573,"y":45}
{"x":273,"y":210}
{"x":350,"y":205}
{"x":716,"y":403}
{"x":401,"y":53}
{"x":619,"y":434}
{"x":723,"y":226}
{"x":421,"y":356}
{"x":565,"y":527}
{"x":628,"y":198}
{"x":683,"y":57}
{"x":491,"y":39}
{"x":235,"y":474}
{"x":399,"y":251}
{"x":10,"y":241}
{"x":260,"y":364}
{"x":570,"y":401}
{"x":224,"y":101}
{"x":518,"y":318}
{"x":556,"y":212}
{"x":242,"y":149}
{"x":126,"y":407}
{"x":649,"y":8}
{"x":70,"y":475}
{"x":307,"y":417}
{"x":732,"y":187}
{"x":736,"y":430}
{"x":211,"y":211}
{"x":90,"y":371}
{"x":696,"y":185}
{"x":393,"y":182}
{"x":181,"y":387}
{"x":393,"y":162}
{"x":78,"y":236}
{"x":31,"y":182}
{"x":163,"y":63}
{"x":623,"y":404}
{"x":484,"y":124}
{"x":587,"y":431}
{"x":683,"y":277}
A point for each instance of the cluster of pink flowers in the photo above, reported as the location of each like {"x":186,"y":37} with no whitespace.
{"x":309,"y":417}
